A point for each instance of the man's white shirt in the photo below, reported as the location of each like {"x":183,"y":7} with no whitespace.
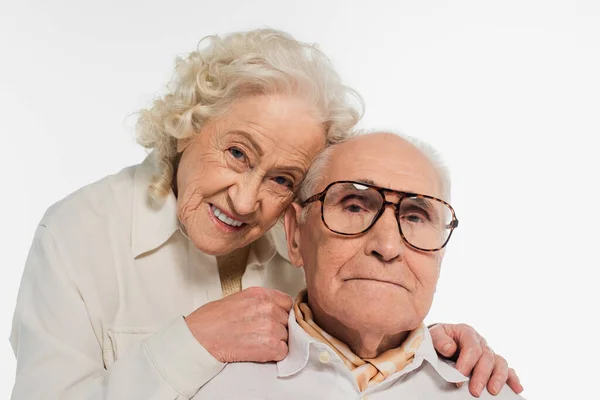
{"x":312,"y":370}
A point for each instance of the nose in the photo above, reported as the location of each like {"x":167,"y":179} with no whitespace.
{"x":243,"y":195}
{"x":384,"y":240}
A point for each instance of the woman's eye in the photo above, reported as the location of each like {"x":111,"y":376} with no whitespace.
{"x":282,"y":180}
{"x":237,"y":153}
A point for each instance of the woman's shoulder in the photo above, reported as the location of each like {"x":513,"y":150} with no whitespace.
{"x":107,"y":197}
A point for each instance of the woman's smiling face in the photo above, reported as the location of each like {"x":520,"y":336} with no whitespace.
{"x":241,"y":171}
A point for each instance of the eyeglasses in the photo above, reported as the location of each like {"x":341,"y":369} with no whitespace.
{"x":352,"y":208}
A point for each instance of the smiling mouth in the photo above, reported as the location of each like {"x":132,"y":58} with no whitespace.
{"x":222,"y":217}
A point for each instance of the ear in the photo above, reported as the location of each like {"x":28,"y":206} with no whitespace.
{"x":292,"y":233}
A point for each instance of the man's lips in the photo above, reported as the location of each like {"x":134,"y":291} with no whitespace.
{"x":391,"y":282}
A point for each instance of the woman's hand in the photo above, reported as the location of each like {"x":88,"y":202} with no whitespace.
{"x":250,"y":325}
{"x":473,"y":356}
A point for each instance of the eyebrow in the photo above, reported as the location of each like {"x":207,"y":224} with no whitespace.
{"x":250,"y":139}
{"x":423,"y":203}
{"x":290,"y":168}
{"x":293,"y":168}
{"x":420,"y":201}
{"x":366,"y":182}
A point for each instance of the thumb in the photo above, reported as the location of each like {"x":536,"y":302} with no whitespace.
{"x":444,"y":344}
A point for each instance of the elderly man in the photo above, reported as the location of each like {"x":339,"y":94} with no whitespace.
{"x":370,"y":233}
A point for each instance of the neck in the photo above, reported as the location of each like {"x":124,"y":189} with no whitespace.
{"x":365,"y":343}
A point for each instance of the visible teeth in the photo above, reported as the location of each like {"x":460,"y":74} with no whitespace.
{"x":224,"y":218}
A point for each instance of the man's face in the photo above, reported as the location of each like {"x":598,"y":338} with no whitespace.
{"x":373,"y":281}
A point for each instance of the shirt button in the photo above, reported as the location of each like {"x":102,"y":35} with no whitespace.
{"x":324,"y":357}
{"x":365,"y":398}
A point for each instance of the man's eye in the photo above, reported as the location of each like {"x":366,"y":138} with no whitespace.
{"x":282,"y":180}
{"x":354,"y":208}
{"x":414,"y":218}
{"x":237,"y":153}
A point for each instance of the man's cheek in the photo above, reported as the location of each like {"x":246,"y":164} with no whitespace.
{"x":341,"y":252}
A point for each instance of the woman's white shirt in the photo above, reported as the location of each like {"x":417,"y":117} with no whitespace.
{"x":106,"y":285}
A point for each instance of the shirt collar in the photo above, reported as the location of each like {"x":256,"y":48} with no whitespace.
{"x":154,"y":222}
{"x":299,"y":343}
{"x":427,"y":352}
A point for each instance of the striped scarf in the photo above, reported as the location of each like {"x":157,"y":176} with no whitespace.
{"x":367,"y":372}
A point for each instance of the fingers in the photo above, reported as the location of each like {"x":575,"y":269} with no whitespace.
{"x":442,"y":342}
{"x":267,"y":303}
{"x":513,"y":381}
{"x":470,"y":351}
{"x":277,"y":352}
{"x":483,"y":370}
{"x":281,"y":351}
{"x":283,"y":300}
{"x":250,"y":325}
{"x":476,"y":358}
{"x":271,"y":332}
{"x":275,"y":342}
{"x":499,"y":375}
{"x":277,"y":314}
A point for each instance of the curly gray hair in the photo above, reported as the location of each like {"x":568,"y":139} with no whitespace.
{"x":259,"y":62}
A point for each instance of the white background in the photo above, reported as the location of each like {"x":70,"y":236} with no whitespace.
{"x":508,"y":91}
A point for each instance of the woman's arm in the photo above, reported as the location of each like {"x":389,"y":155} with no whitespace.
{"x":60,"y":356}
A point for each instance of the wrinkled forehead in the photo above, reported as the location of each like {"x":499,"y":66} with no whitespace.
{"x":385,"y":161}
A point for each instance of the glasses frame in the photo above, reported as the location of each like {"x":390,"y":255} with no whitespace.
{"x":382,"y":191}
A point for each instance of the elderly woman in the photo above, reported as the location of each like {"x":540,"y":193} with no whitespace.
{"x":192,"y":231}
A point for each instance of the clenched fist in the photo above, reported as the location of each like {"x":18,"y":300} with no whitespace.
{"x":250,"y":325}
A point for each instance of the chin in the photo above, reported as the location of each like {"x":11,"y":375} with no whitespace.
{"x":390,"y":320}
{"x":373,"y":292}
{"x":213,"y":247}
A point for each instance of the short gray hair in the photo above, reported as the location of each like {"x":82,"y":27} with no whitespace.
{"x":315,"y":173}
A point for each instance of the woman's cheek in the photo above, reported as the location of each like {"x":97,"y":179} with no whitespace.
{"x":189,"y":201}
{"x":274,"y":205}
